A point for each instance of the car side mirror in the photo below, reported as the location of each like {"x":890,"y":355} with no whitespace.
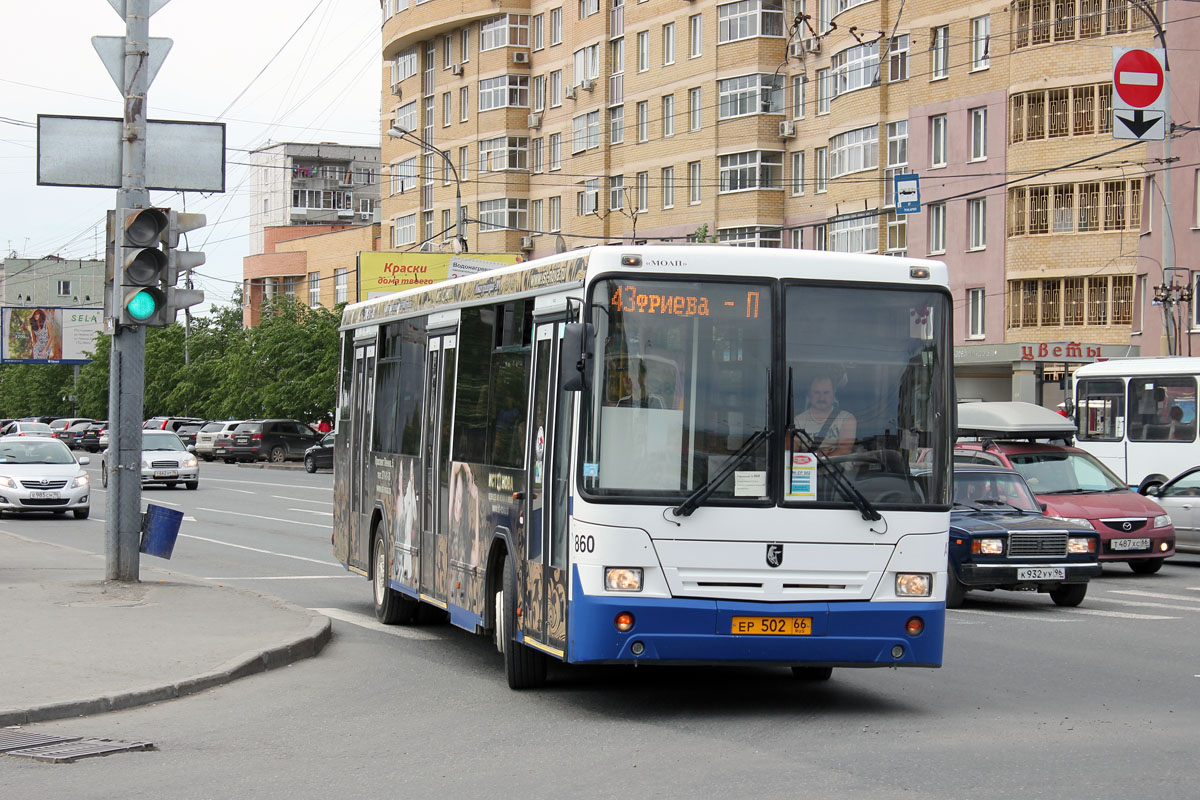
{"x":1043,"y":507}
{"x":191,"y":448}
{"x":84,"y":461}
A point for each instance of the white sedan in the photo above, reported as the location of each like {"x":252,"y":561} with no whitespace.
{"x":42,"y":474}
{"x":164,"y":460}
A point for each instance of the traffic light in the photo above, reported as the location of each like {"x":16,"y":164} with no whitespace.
{"x":140,"y":265}
{"x":179,"y":264}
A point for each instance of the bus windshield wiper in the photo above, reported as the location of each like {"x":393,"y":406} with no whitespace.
{"x":843,"y":483}
{"x":734,"y":461}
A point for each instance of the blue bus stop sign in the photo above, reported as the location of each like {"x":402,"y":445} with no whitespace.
{"x":907,"y":189}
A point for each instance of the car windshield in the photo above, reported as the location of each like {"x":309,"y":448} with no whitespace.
{"x":987,"y":489}
{"x":1065,"y":472}
{"x":161,"y":441}
{"x":212,"y":427}
{"x":50,"y":451}
{"x":248,"y":427}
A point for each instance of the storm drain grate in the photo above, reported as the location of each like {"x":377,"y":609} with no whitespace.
{"x":65,"y":752}
{"x":19,"y":740}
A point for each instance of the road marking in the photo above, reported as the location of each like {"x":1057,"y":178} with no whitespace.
{"x":164,"y":502}
{"x":280,"y":485}
{"x":260,"y":550}
{"x":312,"y":511}
{"x":285,"y":578}
{"x":1146,"y":604}
{"x":1116,"y":614}
{"x":371,"y":624}
{"x":302,"y":500}
{"x":239,"y":491}
{"x":259,"y":516}
{"x":1155,"y":595}
{"x":1049,"y":615}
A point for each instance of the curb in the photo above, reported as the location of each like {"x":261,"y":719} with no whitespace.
{"x":314,"y":639}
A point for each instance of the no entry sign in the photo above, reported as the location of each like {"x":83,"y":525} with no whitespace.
{"x":1138,"y":78}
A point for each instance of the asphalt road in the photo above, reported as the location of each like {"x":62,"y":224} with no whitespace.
{"x":1102,"y":701}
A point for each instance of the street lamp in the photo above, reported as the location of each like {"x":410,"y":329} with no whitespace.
{"x":396,"y":132}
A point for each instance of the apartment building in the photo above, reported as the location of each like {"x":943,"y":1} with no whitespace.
{"x":783,"y":124}
{"x":52,"y":281}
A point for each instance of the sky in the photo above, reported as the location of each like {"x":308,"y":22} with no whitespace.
{"x":271,"y":70}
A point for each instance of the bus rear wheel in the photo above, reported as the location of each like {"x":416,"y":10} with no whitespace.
{"x":391,"y":607}
{"x":524,"y":667}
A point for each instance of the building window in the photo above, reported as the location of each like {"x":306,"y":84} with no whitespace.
{"x":1071,"y":302}
{"x":898,"y":59}
{"x":588,"y":200}
{"x":535,"y":217}
{"x":751,"y":237}
{"x":855,"y":68}
{"x":937,"y":140}
{"x":856,"y":233}
{"x":695,"y":111}
{"x":341,"y":285}
{"x":555,"y":26}
{"x":823,"y":91}
{"x":503,"y":153}
{"x":854,"y":151}
{"x":507,"y":212}
{"x":798,"y":173}
{"x":555,"y":151}
{"x":405,"y":65}
{"x":668,"y":44}
{"x":504,"y":30}
{"x":537,"y":162}
{"x":750,"y":94}
{"x":643,"y":191}
{"x":585,"y":132}
{"x":538,"y":29}
{"x":643,"y":51}
{"x":64,"y":288}
{"x":978,"y":134}
{"x":977,"y":216}
{"x":937,"y":228}
{"x":447,"y":110}
{"x":695,"y":36}
{"x":556,"y":88}
{"x":668,"y":187}
{"x":314,"y":289}
{"x":975,"y":313}
{"x":616,"y":192}
{"x":755,"y":169}
{"x":585,"y":64}
{"x":616,"y":125}
{"x":693,"y":182}
{"x":749,"y":18}
{"x":1052,"y":113}
{"x":1075,"y":208}
{"x":668,"y":115}
{"x":539,"y":93}
{"x":464,"y":98}
{"x":643,"y":121}
{"x":506,"y":91}
{"x":981,"y":29}
{"x":404,"y":177}
{"x":939,"y":51}
{"x":799,"y":83}
{"x":555,"y":214}
{"x":464,"y":43}
{"x":897,"y":158}
{"x":588,"y":7}
{"x":822,"y":182}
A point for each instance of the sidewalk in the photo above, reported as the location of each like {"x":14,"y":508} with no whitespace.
{"x":72,"y":644}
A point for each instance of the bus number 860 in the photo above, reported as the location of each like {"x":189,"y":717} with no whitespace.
{"x":585,"y":543}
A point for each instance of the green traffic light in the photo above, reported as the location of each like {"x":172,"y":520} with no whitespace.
{"x":141,"y":306}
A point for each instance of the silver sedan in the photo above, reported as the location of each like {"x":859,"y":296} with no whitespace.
{"x":42,"y":474}
{"x":164,"y":460}
{"x":1180,"y":497}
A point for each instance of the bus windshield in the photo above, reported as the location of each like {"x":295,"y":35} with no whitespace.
{"x":683,"y":383}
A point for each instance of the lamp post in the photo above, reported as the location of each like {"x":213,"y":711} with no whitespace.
{"x":460,"y":234}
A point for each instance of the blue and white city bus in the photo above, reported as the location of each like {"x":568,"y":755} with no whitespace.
{"x":660,"y":454}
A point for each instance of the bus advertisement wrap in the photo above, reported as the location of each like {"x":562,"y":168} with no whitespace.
{"x":381,"y":273}
{"x":45,"y":335}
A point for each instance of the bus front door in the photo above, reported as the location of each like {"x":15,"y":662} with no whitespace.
{"x":435,"y":475}
{"x":546,"y":498}
{"x":363,"y":399}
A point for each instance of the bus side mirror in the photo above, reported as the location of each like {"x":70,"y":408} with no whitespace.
{"x":576,"y":356}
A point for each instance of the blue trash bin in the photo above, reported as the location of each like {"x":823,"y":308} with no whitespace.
{"x":160,"y":529}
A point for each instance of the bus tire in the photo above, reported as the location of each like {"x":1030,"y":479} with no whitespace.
{"x":391,"y":607}
{"x":812,"y":673}
{"x":524,"y":667}
{"x":1146,"y":566}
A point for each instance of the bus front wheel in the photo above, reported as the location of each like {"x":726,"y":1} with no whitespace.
{"x":391,"y":607}
{"x":524,"y":667}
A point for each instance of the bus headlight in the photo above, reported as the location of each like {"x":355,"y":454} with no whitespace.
{"x":988,"y":547}
{"x":1081,"y":544}
{"x":1162,"y":520}
{"x":623,"y":579}
{"x":914,"y":584}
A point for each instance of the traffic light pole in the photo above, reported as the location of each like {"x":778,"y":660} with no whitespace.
{"x":122,"y":537}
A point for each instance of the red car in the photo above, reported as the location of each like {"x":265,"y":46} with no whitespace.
{"x":1073,"y":484}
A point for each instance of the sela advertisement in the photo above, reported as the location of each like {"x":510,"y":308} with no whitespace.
{"x":45,"y":335}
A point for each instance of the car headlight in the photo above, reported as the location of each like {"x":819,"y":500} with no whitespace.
{"x":145,"y":464}
{"x":1162,"y":520}
{"x":190,"y":461}
{"x":914,"y":584}
{"x":1081,"y":544}
{"x":7,"y":482}
{"x":1077,"y":520}
{"x":80,"y":480}
{"x":623,"y":579}
{"x":988,"y":547}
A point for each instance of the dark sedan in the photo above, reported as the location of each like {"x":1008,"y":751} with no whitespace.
{"x":320,"y":455}
{"x":90,"y":438}
{"x":1000,"y":539}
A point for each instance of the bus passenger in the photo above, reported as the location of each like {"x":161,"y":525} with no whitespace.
{"x":833,"y":430}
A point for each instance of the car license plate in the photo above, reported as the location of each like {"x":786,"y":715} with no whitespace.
{"x":44,"y":495}
{"x":772,"y":626}
{"x":1041,"y":573}
{"x":1130,"y":544}
{"x":166,"y":474}
{"x":220,"y":449}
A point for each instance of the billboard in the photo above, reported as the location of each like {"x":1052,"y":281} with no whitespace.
{"x":42,"y":335}
{"x":386,"y":272}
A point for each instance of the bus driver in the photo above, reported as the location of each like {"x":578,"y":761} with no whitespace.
{"x":833,"y":430}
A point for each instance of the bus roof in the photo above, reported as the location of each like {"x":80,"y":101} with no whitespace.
{"x":569,"y":270}
{"x":1166,"y":365}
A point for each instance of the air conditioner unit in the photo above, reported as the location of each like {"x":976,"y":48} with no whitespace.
{"x":457,"y":69}
{"x":365,"y":215}
{"x":570,"y":92}
{"x":396,"y":89}
{"x":587,"y":84}
{"x":787,"y":129}
{"x":521,"y":57}
{"x":812,"y":45}
{"x":535,"y":120}
{"x":796,"y":48}
{"x":526,"y":242}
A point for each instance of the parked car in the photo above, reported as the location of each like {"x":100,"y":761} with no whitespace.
{"x":1180,"y":497}
{"x":188,"y":430}
{"x":23,"y":428}
{"x":42,"y":474}
{"x":164,"y":460}
{"x":71,"y":436}
{"x":90,"y":438}
{"x":59,"y":427}
{"x":207,"y":437}
{"x":999,"y":539}
{"x":1074,"y":485}
{"x":320,"y":455}
{"x":276,"y":440}
{"x":168,"y":423}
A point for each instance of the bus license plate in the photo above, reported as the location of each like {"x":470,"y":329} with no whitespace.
{"x":1042,"y":574}
{"x":772,"y":626}
{"x":1130,"y":544}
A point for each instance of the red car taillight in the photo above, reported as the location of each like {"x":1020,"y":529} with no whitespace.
{"x":256,"y":437}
